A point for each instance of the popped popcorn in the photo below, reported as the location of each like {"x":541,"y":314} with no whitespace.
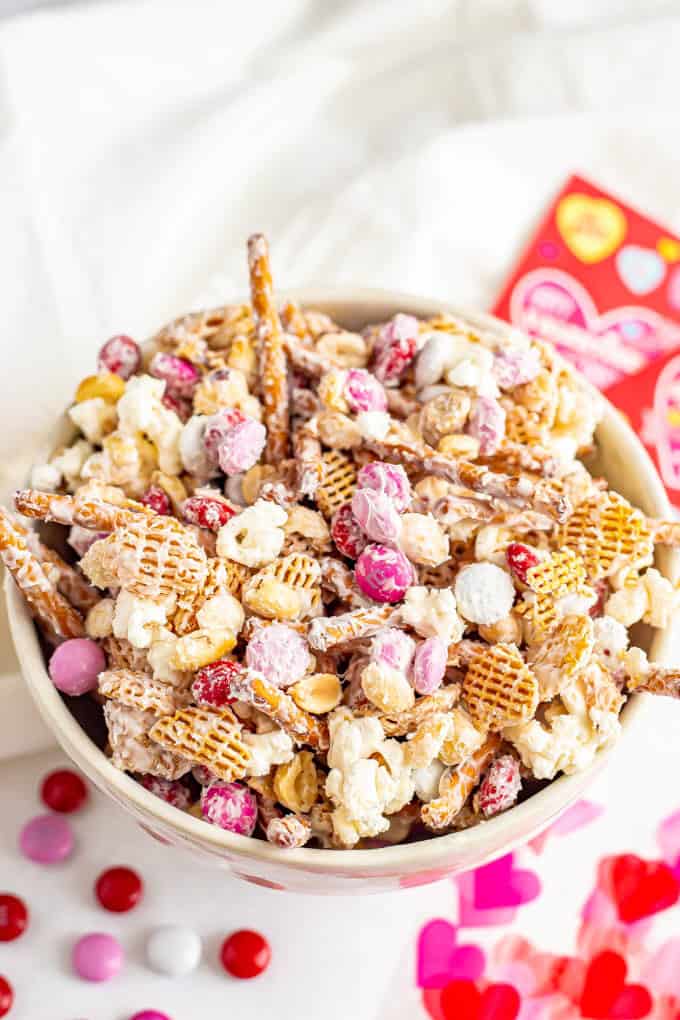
{"x":348,"y":581}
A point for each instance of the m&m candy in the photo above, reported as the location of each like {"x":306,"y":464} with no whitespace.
{"x":245,"y":954}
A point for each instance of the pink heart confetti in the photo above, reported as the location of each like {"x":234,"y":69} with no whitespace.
{"x":439,"y":959}
{"x":469,"y":916}
{"x":499,"y":884}
{"x":580,"y":814}
{"x":668,"y":838}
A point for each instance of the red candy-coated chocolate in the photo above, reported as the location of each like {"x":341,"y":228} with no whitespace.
{"x":180,"y":375}
{"x":119,"y":889}
{"x":13,"y":917}
{"x":6,"y":996}
{"x":157,"y":499}
{"x":520,"y":558}
{"x":212,"y":685}
{"x":501,"y":785}
{"x":207,"y":512}
{"x":347,"y":533}
{"x":63,"y":791}
{"x":121,"y":355}
{"x":180,"y":405}
{"x":245,"y":954}
{"x":393,"y":361}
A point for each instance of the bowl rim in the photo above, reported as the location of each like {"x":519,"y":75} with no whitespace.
{"x":485,"y":841}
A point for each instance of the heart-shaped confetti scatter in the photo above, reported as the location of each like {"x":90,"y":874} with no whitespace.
{"x":592,"y":228}
{"x":582,"y":813}
{"x":641,"y":888}
{"x":462,"y":1000}
{"x":668,"y":838}
{"x":642,"y":270}
{"x":606,"y":995}
{"x":662,"y":971}
{"x":500,"y":885}
{"x":440,"y":960}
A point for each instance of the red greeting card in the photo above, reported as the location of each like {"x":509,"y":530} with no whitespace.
{"x":602,"y":282}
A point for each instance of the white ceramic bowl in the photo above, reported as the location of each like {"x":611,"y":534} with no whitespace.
{"x":622,"y":459}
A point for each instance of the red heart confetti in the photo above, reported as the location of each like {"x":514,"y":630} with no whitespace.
{"x":606,"y":996}
{"x":641,"y":888}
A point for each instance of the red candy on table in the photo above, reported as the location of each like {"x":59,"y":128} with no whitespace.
{"x":119,"y":889}
{"x":6,"y":996}
{"x":157,"y":499}
{"x":245,"y":954}
{"x":13,"y":917}
{"x":63,"y":791}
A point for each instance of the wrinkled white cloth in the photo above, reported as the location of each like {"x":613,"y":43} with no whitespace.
{"x":381,"y":143}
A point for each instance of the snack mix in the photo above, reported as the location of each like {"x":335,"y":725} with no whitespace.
{"x":335,"y":588}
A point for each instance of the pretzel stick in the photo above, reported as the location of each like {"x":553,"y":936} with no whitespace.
{"x":273,"y":371}
{"x":304,"y":403}
{"x":49,"y":606}
{"x":518,"y":490}
{"x":399,"y":724}
{"x":69,"y":581}
{"x":513,"y":456}
{"x":306,"y":359}
{"x":308,"y":464}
{"x":326,"y":632}
{"x":292,"y":319}
{"x":657,"y":680}
{"x":303,"y":727}
{"x":88,"y":513}
{"x":457,"y":784}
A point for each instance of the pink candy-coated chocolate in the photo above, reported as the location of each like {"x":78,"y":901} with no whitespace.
{"x":97,"y":957}
{"x":207,"y":512}
{"x":232,"y":806}
{"x":376,"y":515}
{"x":346,"y":532}
{"x":157,"y":499}
{"x":429,"y":665}
{"x":169,"y":790}
{"x":389,"y":479}
{"x":487,"y":424}
{"x":121,"y":355}
{"x":180,"y":405}
{"x":393,"y":361}
{"x":513,"y":368}
{"x":500,"y":787}
{"x":180,"y":376}
{"x":241,"y":447}
{"x":46,"y":839}
{"x":383,"y":573}
{"x":150,"y":1014}
{"x":400,"y":328}
{"x":216,"y":428}
{"x":75,"y":665}
{"x":393,"y":647}
{"x":363,"y":392}
{"x":81,"y":539}
{"x":279,"y":653}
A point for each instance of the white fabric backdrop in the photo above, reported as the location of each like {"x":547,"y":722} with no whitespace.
{"x":378,"y":143}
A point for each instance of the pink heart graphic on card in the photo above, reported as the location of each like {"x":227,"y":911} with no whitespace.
{"x":582,"y":813}
{"x":607,"y":347}
{"x":668,"y":838}
{"x":661,"y":424}
{"x":440,"y":959}
{"x":499,"y":884}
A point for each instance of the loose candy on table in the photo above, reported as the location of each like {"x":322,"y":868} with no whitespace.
{"x":97,"y":957}
{"x":75,"y":665}
{"x":13,"y":917}
{"x":150,"y":1014}
{"x":119,"y":889}
{"x":46,"y":839}
{"x":6,"y":996}
{"x":173,"y":950}
{"x":245,"y":954}
{"x":64,"y":791}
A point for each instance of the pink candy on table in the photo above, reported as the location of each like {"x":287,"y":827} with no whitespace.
{"x":279,"y":653}
{"x":383,"y":573}
{"x":429,"y":665}
{"x":346,"y":532}
{"x":364,"y":392}
{"x":377,"y":515}
{"x":500,"y":787}
{"x":75,"y":665}
{"x":389,"y":479}
{"x":487,"y":424}
{"x":231,"y":806}
{"x":241,"y":446}
{"x":97,"y":957}
{"x":170,"y":790}
{"x":393,"y":647}
{"x":46,"y":839}
{"x":121,"y":355}
{"x":181,"y":377}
